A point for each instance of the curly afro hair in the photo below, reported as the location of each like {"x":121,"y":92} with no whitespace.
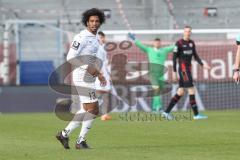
{"x":93,"y":12}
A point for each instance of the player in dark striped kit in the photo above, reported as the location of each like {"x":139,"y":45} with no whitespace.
{"x":184,"y":51}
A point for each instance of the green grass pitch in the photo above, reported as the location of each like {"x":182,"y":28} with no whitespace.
{"x":31,"y":137}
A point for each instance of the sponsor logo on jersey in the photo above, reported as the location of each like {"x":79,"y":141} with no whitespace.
{"x":188,"y":52}
{"x":75,"y":45}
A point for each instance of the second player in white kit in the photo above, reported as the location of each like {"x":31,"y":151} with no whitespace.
{"x":104,"y":92}
{"x":102,"y":55}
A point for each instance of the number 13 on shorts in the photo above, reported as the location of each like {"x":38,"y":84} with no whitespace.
{"x":92,"y":95}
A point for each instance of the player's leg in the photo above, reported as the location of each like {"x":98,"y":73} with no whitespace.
{"x":104,"y":95}
{"x":157,"y":100}
{"x":157,"y":85}
{"x":91,"y":111}
{"x":104,"y":104}
{"x":82,"y":115}
{"x":188,"y":83}
{"x":191,"y":92}
{"x":63,"y":136}
{"x":175,"y":99}
{"x":173,"y":92}
{"x":156,"y":103}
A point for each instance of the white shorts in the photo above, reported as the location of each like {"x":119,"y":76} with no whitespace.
{"x":86,"y":87}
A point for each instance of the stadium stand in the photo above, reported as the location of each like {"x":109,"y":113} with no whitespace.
{"x":193,"y":13}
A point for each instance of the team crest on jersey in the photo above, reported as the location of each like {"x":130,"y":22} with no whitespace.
{"x":75,"y":45}
{"x":190,"y":44}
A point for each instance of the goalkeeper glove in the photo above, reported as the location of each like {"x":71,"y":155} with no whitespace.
{"x":131,"y":36}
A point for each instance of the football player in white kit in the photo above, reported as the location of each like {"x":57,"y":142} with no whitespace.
{"x":85,"y":44}
{"x":103,"y":91}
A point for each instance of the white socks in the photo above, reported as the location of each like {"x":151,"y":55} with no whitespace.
{"x":74,"y":123}
{"x":83,"y":117}
{"x":86,"y":126}
{"x":70,"y":127}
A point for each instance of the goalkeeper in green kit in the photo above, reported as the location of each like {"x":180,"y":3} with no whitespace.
{"x":156,"y":55}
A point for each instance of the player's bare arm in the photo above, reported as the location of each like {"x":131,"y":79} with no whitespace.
{"x":236,"y":75}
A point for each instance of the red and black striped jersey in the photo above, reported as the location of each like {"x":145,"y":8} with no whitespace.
{"x":183,"y":52}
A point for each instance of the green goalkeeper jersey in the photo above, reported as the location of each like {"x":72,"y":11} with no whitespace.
{"x":157,"y":56}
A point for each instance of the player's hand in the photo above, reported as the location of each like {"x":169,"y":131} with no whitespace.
{"x":236,"y":76}
{"x":174,"y":77}
{"x":131,"y":36}
{"x":206,"y":66}
{"x":102,"y":79}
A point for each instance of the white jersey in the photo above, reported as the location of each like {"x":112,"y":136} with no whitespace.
{"x":84,"y":43}
{"x":102,"y":54}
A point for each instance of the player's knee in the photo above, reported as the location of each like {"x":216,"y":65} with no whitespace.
{"x":94,"y":111}
{"x":180,"y":91}
{"x":92,"y":108}
{"x":191,"y":91}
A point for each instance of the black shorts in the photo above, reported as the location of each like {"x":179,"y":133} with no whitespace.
{"x":185,"y":78}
